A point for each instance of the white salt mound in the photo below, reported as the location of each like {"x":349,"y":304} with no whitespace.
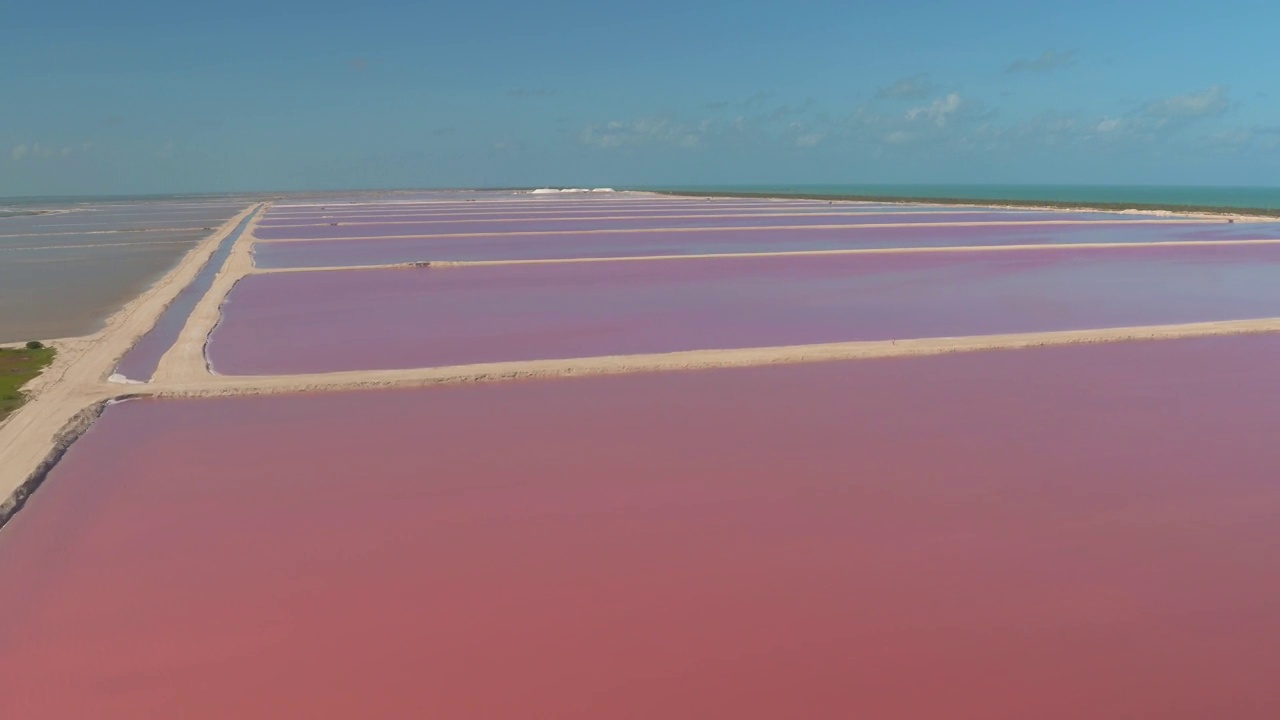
{"x":122,"y":380}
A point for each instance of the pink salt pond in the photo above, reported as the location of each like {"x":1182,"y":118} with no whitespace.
{"x":276,"y":218}
{"x":400,"y":318}
{"x":1051,"y":534}
{"x":533,"y":210}
{"x":490,"y":226}
{"x":640,"y":243}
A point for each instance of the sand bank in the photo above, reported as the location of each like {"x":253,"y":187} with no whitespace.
{"x":197,"y":382}
{"x":186,"y":360}
{"x":55,"y":413}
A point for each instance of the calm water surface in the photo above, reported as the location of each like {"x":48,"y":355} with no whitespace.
{"x":64,"y":270}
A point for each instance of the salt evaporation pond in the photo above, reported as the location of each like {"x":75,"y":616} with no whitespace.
{"x":523,"y":203}
{"x":474,"y":227}
{"x":401,"y":318}
{"x":638,"y":218}
{"x":334,"y":253}
{"x":1052,"y":534}
{"x":62,"y":292}
{"x":534,"y":211}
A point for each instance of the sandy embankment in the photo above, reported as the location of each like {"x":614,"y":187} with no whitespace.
{"x":68,"y":395}
{"x":63,"y":397}
{"x":201,"y":383}
{"x":186,"y":361}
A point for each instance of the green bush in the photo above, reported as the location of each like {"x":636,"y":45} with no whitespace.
{"x":35,"y":345}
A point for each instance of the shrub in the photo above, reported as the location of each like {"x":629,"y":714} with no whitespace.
{"x":35,"y":345}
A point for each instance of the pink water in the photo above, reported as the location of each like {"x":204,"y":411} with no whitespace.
{"x":489,"y":203}
{"x":583,"y":225}
{"x":385,"y":214}
{"x":399,"y":318}
{"x":1051,"y":534}
{"x":657,"y":216}
{"x":323,"y":253}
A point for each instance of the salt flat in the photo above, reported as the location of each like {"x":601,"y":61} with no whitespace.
{"x":980,"y":469}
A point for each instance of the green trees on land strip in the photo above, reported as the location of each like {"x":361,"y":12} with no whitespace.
{"x":17,"y":367}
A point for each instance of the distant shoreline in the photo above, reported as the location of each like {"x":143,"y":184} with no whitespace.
{"x":1224,"y":211}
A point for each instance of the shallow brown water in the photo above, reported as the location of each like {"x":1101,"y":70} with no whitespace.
{"x":62,"y":274}
{"x":67,"y":292}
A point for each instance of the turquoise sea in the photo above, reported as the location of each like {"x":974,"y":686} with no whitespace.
{"x":1171,"y":196}
{"x":1260,"y":198}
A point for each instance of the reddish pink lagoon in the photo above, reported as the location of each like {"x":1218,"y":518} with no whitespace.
{"x":536,"y":210}
{"x":1051,"y":534}
{"x":371,"y":319}
{"x":323,"y":253}
{"x":587,"y":225}
{"x":557,"y":205}
{"x":635,"y":210}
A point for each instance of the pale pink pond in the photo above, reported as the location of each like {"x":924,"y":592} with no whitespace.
{"x":383,"y":216}
{"x":529,"y":203}
{"x":571,"y":225}
{"x":544,"y":209}
{"x":399,"y":318}
{"x":332,"y":253}
{"x":1057,"y":534}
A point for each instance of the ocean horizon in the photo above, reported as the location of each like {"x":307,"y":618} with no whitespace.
{"x":1146,"y":196}
{"x":1243,"y":197}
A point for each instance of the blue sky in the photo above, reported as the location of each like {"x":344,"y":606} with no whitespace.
{"x":141,"y":96}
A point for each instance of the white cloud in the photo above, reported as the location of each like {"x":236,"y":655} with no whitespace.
{"x":938,"y":112}
{"x":951,"y":122}
{"x":645,"y":131}
{"x":1110,"y":125}
{"x":36,"y":150}
{"x":809,"y":139}
{"x":1243,"y":139}
{"x":507,"y":147}
{"x":1209,"y":103}
{"x":803,"y":135}
{"x":1167,"y":120}
{"x":908,"y":88}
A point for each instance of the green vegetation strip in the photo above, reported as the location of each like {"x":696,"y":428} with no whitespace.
{"x":985,"y":202}
{"x":17,"y":366}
